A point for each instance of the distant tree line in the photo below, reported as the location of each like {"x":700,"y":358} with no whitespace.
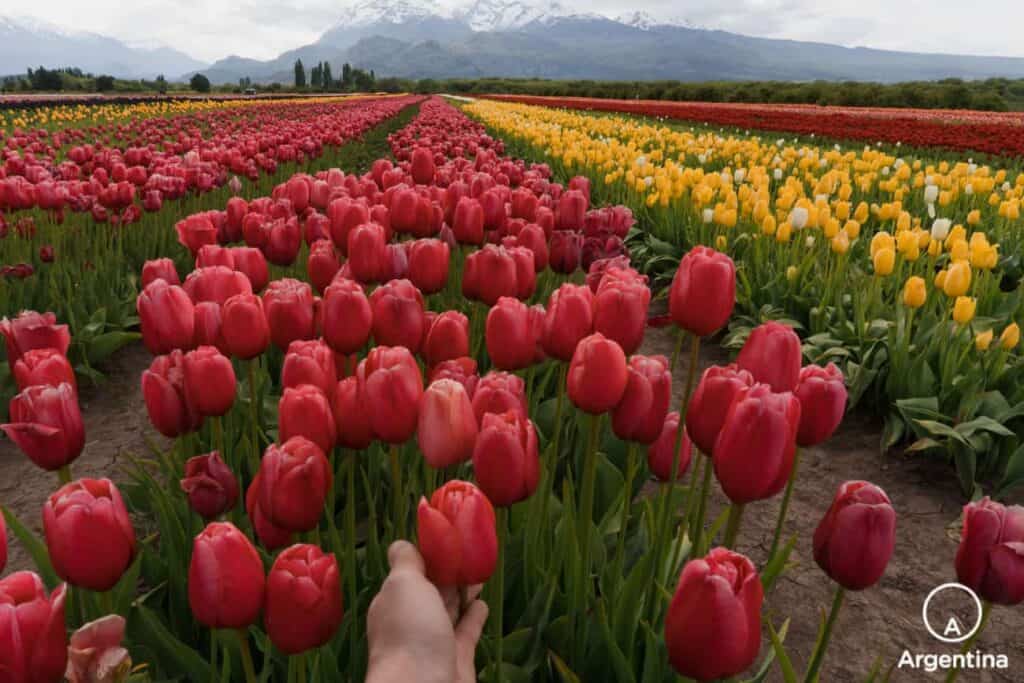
{"x":352,"y":79}
{"x":73,"y":79}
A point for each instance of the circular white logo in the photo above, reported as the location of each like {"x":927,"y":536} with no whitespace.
{"x":953,"y":629}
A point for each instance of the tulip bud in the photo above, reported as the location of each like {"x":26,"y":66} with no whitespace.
{"x":398,"y":315}
{"x":43,"y":366}
{"x":88,"y":534}
{"x":990,"y":559}
{"x":855,"y":539}
{"x":914,"y":292}
{"x":1010,"y":337}
{"x":350,"y":414}
{"x":753,"y":455}
{"x":270,"y":535}
{"x":565,"y":250}
{"x":963,"y":309}
{"x":509,"y":335}
{"x":225,"y":578}
{"x":305,"y":411}
{"x":457,"y":536}
{"x":620,"y":308}
{"x":640,"y":415}
{"x":597,"y":374}
{"x":210,"y":485}
{"x":31,"y":330}
{"x":159,"y":269}
{"x":33,"y":640}
{"x":166,"y":316}
{"x":46,"y":424}
{"x":428,"y":265}
{"x":958,"y":279}
{"x":884,"y":261}
{"x":309,"y":362}
{"x":711,"y":401}
{"x":569,"y":318}
{"x":303,"y":599}
{"x":209,"y":381}
{"x":490,"y":274}
{"x":447,"y":427}
{"x":323,"y":264}
{"x":216,"y":284}
{"x":289,"y":308}
{"x":244,"y":331}
{"x":294,"y":480}
{"x":662,"y":453}
{"x":505,"y":460}
{"x":253,"y":264}
{"x":822,"y":396}
{"x":703,"y":291}
{"x":713,"y":624}
{"x":347,"y":316}
{"x":447,"y":337}
{"x":499,"y":392}
{"x":367,"y":253}
{"x":393,"y":387}
{"x":95,"y":654}
{"x":468,"y":223}
{"x":772,"y":354}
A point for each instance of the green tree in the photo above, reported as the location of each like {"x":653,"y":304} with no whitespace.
{"x":346,"y":76}
{"x":161,"y":84}
{"x":104,"y":83}
{"x":300,"y":74}
{"x":315,"y":75}
{"x":326,"y":77}
{"x":200,"y":83}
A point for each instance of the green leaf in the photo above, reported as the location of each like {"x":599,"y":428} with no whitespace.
{"x":985,"y":424}
{"x":1013,"y":475}
{"x":766,"y":665}
{"x":938,"y":429}
{"x":177,"y":656}
{"x":567,"y":674}
{"x":103,"y":346}
{"x":777,"y":564}
{"x":785,"y":665}
{"x":35,"y":548}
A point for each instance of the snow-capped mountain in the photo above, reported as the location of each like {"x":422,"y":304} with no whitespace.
{"x":645,"y":21}
{"x":507,"y":15}
{"x":358,"y":14}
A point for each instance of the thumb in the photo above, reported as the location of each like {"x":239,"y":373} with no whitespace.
{"x":467,"y":631}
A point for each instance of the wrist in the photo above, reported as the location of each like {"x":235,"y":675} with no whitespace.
{"x":402,"y":667}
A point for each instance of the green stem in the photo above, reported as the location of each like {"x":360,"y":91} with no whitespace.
{"x":732,"y":529}
{"x":64,"y":475}
{"x":586,"y":514}
{"x":218,"y":436}
{"x":784,"y":509}
{"x":243,"y":647}
{"x":986,"y":611}
{"x":702,"y":504}
{"x":819,"y":652}
{"x":350,"y":541}
{"x":396,"y":484}
{"x":107,"y":602}
{"x":499,"y":609}
{"x":627,"y":489}
{"x":254,"y":408}
{"x":213,"y":655}
{"x":302,"y":667}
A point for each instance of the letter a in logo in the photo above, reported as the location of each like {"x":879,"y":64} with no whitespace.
{"x":952,"y":628}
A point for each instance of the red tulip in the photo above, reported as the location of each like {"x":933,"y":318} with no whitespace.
{"x":210,"y":485}
{"x":855,"y":539}
{"x":597,"y":374}
{"x":305,"y":411}
{"x":209,"y":381}
{"x":564,"y":251}
{"x":428,"y":265}
{"x":620,"y":308}
{"x":710,"y":403}
{"x":367,"y":253}
{"x":347,"y":316}
{"x":509,"y":335}
{"x":294,"y":480}
{"x":270,"y":536}
{"x":990,"y":559}
{"x":283,"y":242}
{"x":323,"y":264}
{"x":3,"y":544}
{"x":43,"y":366}
{"x":822,"y":395}
{"x":225,"y":578}
{"x":398,"y":315}
{"x":713,"y":624}
{"x":309,"y":362}
{"x":505,"y":460}
{"x":533,"y":238}
{"x":499,"y":392}
{"x":350,"y":414}
{"x":46,"y":424}
{"x":245,"y":333}
{"x":289,"y":307}
{"x":468,"y":223}
{"x":159,"y":269}
{"x":166,"y":316}
{"x":344,"y":215}
{"x":88,"y":534}
{"x":640,"y":415}
{"x":569,"y":318}
{"x":33,"y":639}
{"x":393,"y":387}
{"x":703,"y":291}
{"x":447,"y":427}
{"x":572,"y":205}
{"x":195,"y":231}
{"x":457,"y":537}
{"x":253,"y":264}
{"x":297,"y":191}
{"x":207,"y":327}
{"x":524,"y":204}
{"x":210,"y":255}
{"x":461,"y":370}
{"x":95,"y":654}
{"x":446,"y":338}
{"x":490,"y":274}
{"x":753,"y":454}
{"x":772,"y":355}
{"x":661,"y":454}
{"x":163,"y":390}
{"x":217,"y":284}
{"x":303,"y":600}
{"x":31,"y":330}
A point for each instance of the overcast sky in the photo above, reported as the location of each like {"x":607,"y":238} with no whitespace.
{"x":264,"y":28}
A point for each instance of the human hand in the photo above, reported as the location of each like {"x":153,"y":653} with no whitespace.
{"x":416,"y":633}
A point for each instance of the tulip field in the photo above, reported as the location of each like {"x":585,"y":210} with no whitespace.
{"x":675,"y":401}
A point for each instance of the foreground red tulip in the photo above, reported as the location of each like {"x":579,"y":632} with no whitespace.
{"x":711,"y":401}
{"x":157,"y":269}
{"x":347,"y":317}
{"x":620,"y":308}
{"x":367,"y":253}
{"x":209,"y":485}
{"x":216,"y":284}
{"x":95,"y":654}
{"x":163,"y":390}
{"x":568,"y":319}
{"x":289,"y":307}
{"x":457,"y":536}
{"x":597,"y":374}
{"x":505,"y":461}
{"x":447,"y":427}
{"x":398,"y":315}
{"x":209,"y":381}
{"x":990,"y":559}
{"x":309,"y":362}
{"x":509,"y":335}
{"x":855,"y":539}
{"x":640,"y":415}
{"x":166,"y":317}
{"x":251,"y":262}
{"x":295,"y":478}
{"x":270,"y":535}
{"x":43,"y":366}
{"x":303,"y":602}
{"x":245,"y":333}
{"x":323,"y":264}
{"x":661,"y":455}
{"x":46,"y":424}
{"x":490,"y":274}
{"x":393,"y":387}
{"x":305,"y":411}
{"x":753,"y":454}
{"x":31,"y":330}
{"x":225,"y":578}
{"x":822,"y":395}
{"x":713,"y":625}
{"x":33,"y":640}
{"x":446,"y":338}
{"x":703,"y":291}
{"x":499,"y":392}
{"x":772,"y":355}
{"x":3,"y":544}
{"x":88,"y":534}
{"x":428,"y":265}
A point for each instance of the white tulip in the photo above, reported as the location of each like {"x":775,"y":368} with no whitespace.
{"x":708,"y":215}
{"x":777,"y":174}
{"x":968,"y":189}
{"x":798,"y":218}
{"x":739,"y":175}
{"x":885,"y":171}
{"x":940,"y":228}
{"x":931,"y":193}
{"x":809,"y":241}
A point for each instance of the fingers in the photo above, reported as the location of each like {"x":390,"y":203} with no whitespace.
{"x":403,"y":555}
{"x":473,"y":592}
{"x":467,"y":631}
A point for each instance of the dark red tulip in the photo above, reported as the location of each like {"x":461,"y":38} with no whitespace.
{"x":509,"y":335}
{"x":163,"y":389}
{"x":505,"y":460}
{"x":33,"y":635}
{"x":294,"y":480}
{"x":351,"y":416}
{"x":43,"y":366}
{"x":772,"y":355}
{"x":195,"y":231}
{"x":753,"y":454}
{"x":447,"y":338}
{"x":303,"y":607}
{"x":217,"y":284}
{"x":565,"y":249}
{"x":640,"y":415}
{"x":367,"y":253}
{"x":461,"y":370}
{"x":422,"y":167}
{"x":347,"y":316}
{"x":207,"y":325}
{"x":209,"y":381}
{"x":46,"y":424}
{"x":703,"y":291}
{"x":270,"y":535}
{"x":393,"y":387}
{"x":822,"y":395}
{"x":490,"y":274}
{"x":713,"y":624}
{"x":428,"y":265}
{"x":855,"y":539}
{"x":323,"y":264}
{"x":711,"y":401}
{"x":88,"y":534}
{"x":468,"y":223}
{"x":569,"y":318}
{"x":597,"y":374}
{"x":305,"y":411}
{"x":225,"y":578}
{"x":499,"y":392}
{"x":398,"y":315}
{"x":526,"y":274}
{"x":283,"y":242}
{"x":309,"y":362}
{"x":244,"y":330}
{"x":990,"y":559}
{"x":288,"y":304}
{"x":447,"y":427}
{"x":166,"y":316}
{"x":209,"y":485}
{"x":159,"y":269}
{"x":572,"y":206}
{"x":457,"y":537}
{"x":253,"y":264}
{"x":662,"y":453}
{"x":620,"y":308}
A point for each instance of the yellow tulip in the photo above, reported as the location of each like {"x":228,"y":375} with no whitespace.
{"x":884,"y":260}
{"x":791,"y":273}
{"x":1010,"y":337}
{"x":768,"y":225}
{"x":983,"y":340}
{"x":903,"y":222}
{"x":934,"y":248}
{"x":852,"y":229}
{"x":974,"y":217}
{"x":721,"y":242}
{"x":960,"y":251}
{"x":940,"y":279}
{"x":958,"y":279}
{"x":955,"y":235}
{"x":882,"y":240}
{"x":840,"y":243}
{"x":860,"y":214}
{"x":831,"y":228}
{"x":963,"y":309}
{"x":783,"y":233}
{"x":915,"y":292}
